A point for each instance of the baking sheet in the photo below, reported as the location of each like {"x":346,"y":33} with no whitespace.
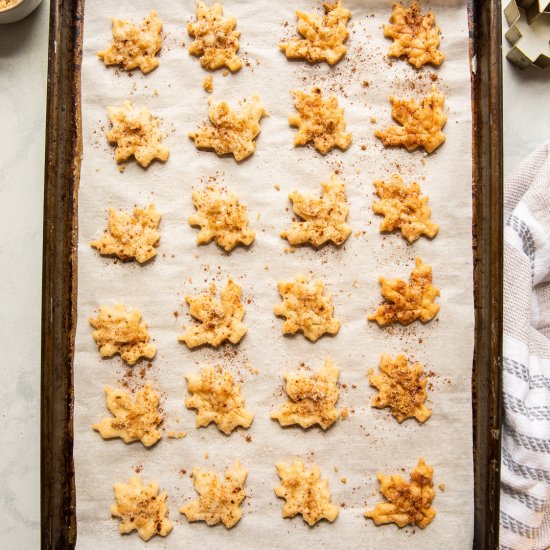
{"x":370,"y":440}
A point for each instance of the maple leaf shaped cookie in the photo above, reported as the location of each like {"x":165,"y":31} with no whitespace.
{"x":320,"y":121}
{"x":421,"y":124}
{"x":305,"y":493}
{"x":220,"y":319}
{"x":324,"y":36}
{"x":307,"y":308}
{"x":323,"y":218}
{"x":407,"y":302}
{"x":131,"y":235}
{"x":118,"y":330}
{"x":142,"y":508}
{"x":415,"y":36}
{"x":407,"y":503}
{"x":136,"y":132}
{"x":134,"y":419}
{"x":217,"y":398}
{"x":135,"y":46}
{"x":219,"y":500}
{"x":312,"y":398}
{"x":403,"y":208}
{"x":216,"y":42}
{"x":231,"y":131}
{"x":221,"y":218}
{"x":400,"y":387}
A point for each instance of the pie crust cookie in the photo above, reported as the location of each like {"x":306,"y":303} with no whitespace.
{"x":216,"y":41}
{"x":305,"y":492}
{"x":118,"y":330}
{"x":135,"y":46}
{"x":322,"y":219}
{"x":320,"y":121}
{"x":220,"y":320}
{"x":421,"y":125}
{"x":217,"y":398}
{"x":404,"y":208}
{"x":312,"y":398}
{"x":400,"y":387}
{"x":142,"y":508}
{"x":219,"y":500}
{"x":307,"y":308}
{"x":323,"y":37}
{"x":406,"y":503}
{"x":136,"y":132}
{"x":407,"y":302}
{"x":133,"y":418}
{"x":231,"y":131}
{"x":415,"y":36}
{"x":131,"y":234}
{"x":221,"y":218}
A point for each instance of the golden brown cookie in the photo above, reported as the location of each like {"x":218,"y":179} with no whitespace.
{"x":421,"y":125}
{"x":404,"y":208}
{"x":121,"y":331}
{"x":231,"y":131}
{"x":131,"y":235}
{"x":135,"y":46}
{"x":216,"y":41}
{"x":221,"y":218}
{"x":415,"y":36}
{"x":319,"y":121}
{"x":322,"y":219}
{"x":305,"y":492}
{"x":219,"y":500}
{"x":136,"y":132}
{"x":217,"y":398}
{"x":323,"y":37}
{"x":407,"y":302}
{"x":312,"y":398}
{"x":220,"y":320}
{"x":133,"y":418}
{"x":406,"y":503}
{"x":307,"y":308}
{"x":401,"y":388}
{"x":142,"y":508}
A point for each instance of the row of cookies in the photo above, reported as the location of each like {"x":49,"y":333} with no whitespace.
{"x":320,"y":120}
{"x":312,"y":400}
{"x":216,"y":42}
{"x":307,"y":308}
{"x":306,"y":492}
{"x":222,"y":218}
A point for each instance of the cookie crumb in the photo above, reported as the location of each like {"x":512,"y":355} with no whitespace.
{"x":208,"y":84}
{"x":177,"y":435}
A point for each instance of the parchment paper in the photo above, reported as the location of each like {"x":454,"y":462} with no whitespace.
{"x":370,"y":440}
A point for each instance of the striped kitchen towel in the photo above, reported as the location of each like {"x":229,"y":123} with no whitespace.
{"x":525,"y":490}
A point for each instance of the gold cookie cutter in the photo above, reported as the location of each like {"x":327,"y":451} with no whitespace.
{"x":532,"y":8}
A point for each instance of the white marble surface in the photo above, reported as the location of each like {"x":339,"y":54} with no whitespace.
{"x":526,"y":96}
{"x":23,"y":63}
{"x":526,"y":112}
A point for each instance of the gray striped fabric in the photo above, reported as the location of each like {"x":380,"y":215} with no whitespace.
{"x":525,"y":493}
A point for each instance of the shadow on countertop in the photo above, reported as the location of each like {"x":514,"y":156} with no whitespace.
{"x":15,"y":37}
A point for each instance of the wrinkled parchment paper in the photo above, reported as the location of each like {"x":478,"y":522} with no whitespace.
{"x":370,"y":440}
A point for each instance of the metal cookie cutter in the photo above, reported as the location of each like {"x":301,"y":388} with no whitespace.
{"x":533,"y":8}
